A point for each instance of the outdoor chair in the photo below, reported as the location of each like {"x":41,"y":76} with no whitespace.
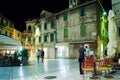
{"x":88,"y":65}
{"x":103,"y":65}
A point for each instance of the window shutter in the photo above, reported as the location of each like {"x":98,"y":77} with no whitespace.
{"x":51,"y":37}
{"x":65,"y":16}
{"x":33,"y":40}
{"x":45,"y":26}
{"x":52,"y":24}
{"x":45,"y":38}
{"x":83,"y":29}
{"x":82,"y":12}
{"x":65,"y":33}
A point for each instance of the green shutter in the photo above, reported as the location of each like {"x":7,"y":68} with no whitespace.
{"x":65,"y":16}
{"x":83,"y":29}
{"x":45,"y":38}
{"x":65,"y":33}
{"x":82,"y":12}
{"x":29,"y":39}
{"x":52,"y":24}
{"x":33,"y":40}
{"x":51,"y":37}
{"x":45,"y":26}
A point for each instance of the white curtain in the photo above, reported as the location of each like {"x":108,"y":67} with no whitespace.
{"x":112,"y":32}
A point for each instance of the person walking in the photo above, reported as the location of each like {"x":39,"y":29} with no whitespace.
{"x":87,"y":51}
{"x":81,"y":57}
{"x":38,"y":55}
{"x":42,"y":55}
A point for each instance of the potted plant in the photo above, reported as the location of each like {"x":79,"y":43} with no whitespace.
{"x":24,"y":54}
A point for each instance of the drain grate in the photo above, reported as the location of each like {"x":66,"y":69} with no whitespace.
{"x":50,"y":77}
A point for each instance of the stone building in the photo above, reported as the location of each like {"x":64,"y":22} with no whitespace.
{"x":44,"y":34}
{"x":28,"y":38}
{"x":75,"y":26}
{"x":61,"y":34}
{"x":10,"y":38}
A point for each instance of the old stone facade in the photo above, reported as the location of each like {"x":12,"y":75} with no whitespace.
{"x":61,"y":34}
{"x":76,"y":26}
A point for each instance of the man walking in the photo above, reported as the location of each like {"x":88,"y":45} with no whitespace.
{"x":81,"y":57}
{"x":42,"y":55}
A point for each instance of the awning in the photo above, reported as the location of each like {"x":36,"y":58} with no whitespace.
{"x":9,"y":43}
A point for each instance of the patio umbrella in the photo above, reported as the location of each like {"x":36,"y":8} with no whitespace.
{"x":112,"y":33}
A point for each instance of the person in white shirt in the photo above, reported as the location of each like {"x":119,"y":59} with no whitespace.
{"x":87,"y":51}
{"x":38,"y":55}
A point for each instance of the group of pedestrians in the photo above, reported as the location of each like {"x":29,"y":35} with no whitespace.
{"x":83,"y":53}
{"x":40,"y":54}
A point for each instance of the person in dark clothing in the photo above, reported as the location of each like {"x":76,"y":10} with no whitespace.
{"x":42,"y":55}
{"x":81,"y":57}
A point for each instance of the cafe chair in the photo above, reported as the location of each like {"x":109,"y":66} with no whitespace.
{"x":88,"y":65}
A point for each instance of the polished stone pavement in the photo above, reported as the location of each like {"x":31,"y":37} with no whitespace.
{"x":50,"y":69}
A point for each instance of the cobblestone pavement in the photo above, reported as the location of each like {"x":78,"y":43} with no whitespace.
{"x":50,"y":69}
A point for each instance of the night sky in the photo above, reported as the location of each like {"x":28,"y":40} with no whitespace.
{"x":19,"y":11}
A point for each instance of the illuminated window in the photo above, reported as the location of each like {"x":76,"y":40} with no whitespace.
{"x":52,"y":37}
{"x":65,"y":33}
{"x":83,"y":29}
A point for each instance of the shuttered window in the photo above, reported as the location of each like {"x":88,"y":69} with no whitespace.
{"x":82,"y":29}
{"x":52,"y":24}
{"x":52,"y":37}
{"x":65,"y":33}
{"x":34,"y":40}
{"x":65,"y":16}
{"x":29,"y":39}
{"x":82,"y":11}
{"x":45,"y":38}
{"x":45,"y":26}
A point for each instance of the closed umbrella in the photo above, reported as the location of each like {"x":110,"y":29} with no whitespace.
{"x":112,"y":33}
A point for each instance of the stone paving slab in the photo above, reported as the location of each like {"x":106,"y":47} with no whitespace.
{"x":61,"y":69}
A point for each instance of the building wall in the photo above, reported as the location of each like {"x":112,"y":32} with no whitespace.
{"x":28,"y":37}
{"x":73,"y":25}
{"x":6,"y":26}
{"x":48,"y":46}
{"x":17,"y":35}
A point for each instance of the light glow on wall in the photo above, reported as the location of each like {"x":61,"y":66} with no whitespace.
{"x":37,"y":31}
